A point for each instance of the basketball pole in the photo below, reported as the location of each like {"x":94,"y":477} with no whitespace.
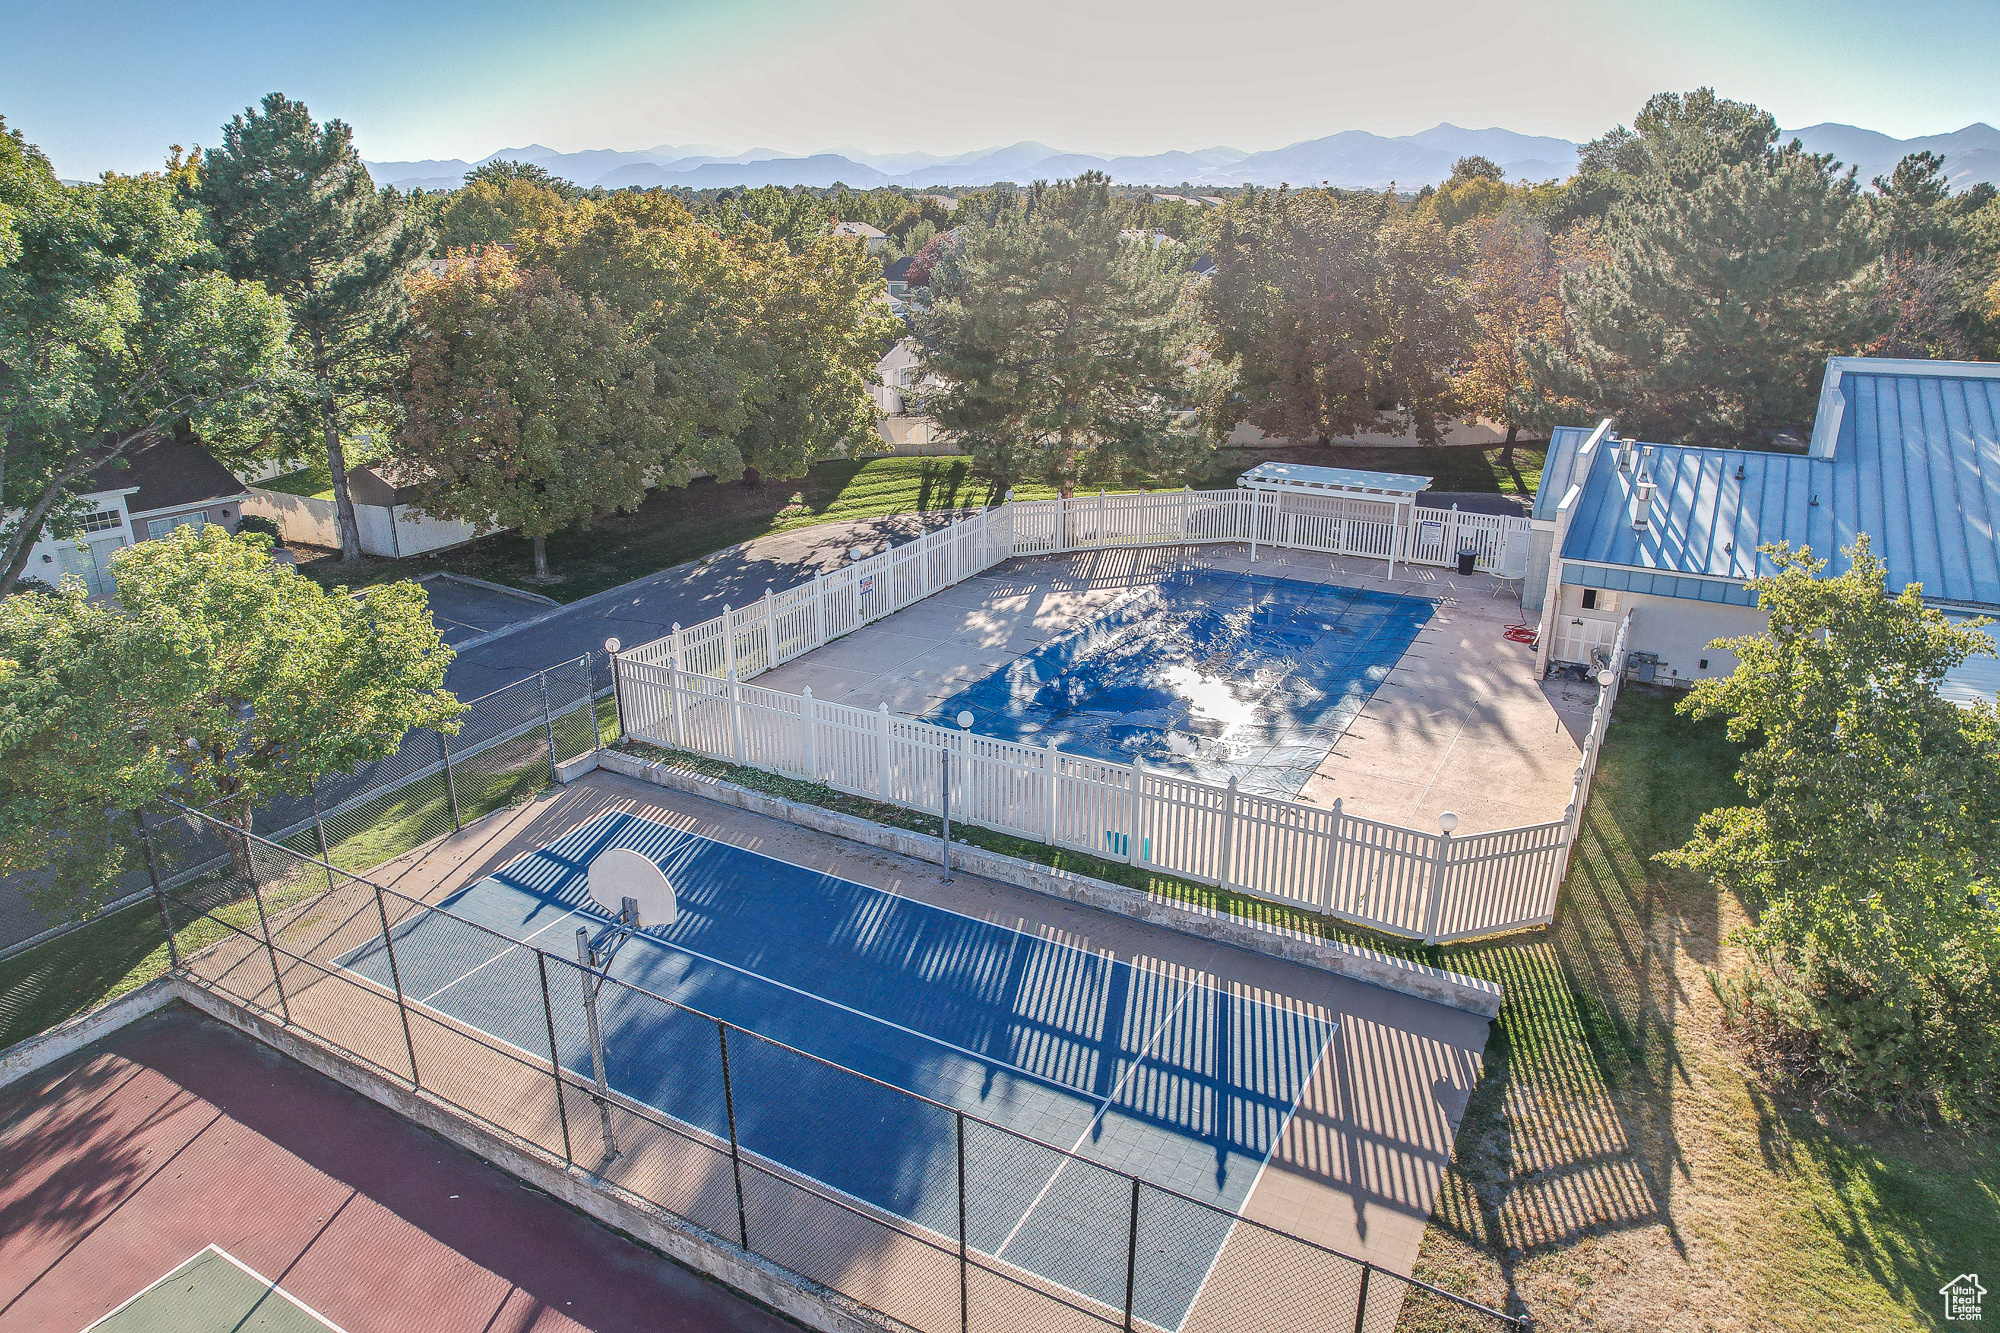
{"x":587,"y":955}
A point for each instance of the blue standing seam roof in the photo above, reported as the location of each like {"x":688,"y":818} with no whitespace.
{"x":1915,"y":466}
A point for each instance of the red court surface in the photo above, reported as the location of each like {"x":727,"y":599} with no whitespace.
{"x":176,"y":1132}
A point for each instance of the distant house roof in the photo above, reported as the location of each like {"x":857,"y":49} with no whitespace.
{"x":167,"y":474}
{"x":898,"y":270}
{"x":1905,"y":451}
{"x":861,"y":229}
{"x":1203,"y":265}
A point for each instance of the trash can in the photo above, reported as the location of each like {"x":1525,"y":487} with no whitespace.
{"x":1465,"y":560}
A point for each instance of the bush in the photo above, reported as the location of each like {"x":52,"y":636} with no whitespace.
{"x":1882,"y":1041}
{"x":267,"y":526}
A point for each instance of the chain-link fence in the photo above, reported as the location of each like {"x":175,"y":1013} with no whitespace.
{"x":913,"y":1207}
{"x":507,"y":748}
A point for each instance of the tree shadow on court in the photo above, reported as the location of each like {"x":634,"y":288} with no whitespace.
{"x":84,"y":1163}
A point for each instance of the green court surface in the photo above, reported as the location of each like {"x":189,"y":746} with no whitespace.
{"x":213,"y":1293}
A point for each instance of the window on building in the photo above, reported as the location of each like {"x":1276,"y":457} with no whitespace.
{"x":1590,"y":599}
{"x":160,"y":527}
{"x":102,"y":521}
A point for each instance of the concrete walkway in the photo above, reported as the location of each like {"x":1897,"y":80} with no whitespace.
{"x":690,"y":593}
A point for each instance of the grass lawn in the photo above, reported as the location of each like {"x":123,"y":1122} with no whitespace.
{"x":677,"y":524}
{"x":312,"y":483}
{"x":1618,"y":1168}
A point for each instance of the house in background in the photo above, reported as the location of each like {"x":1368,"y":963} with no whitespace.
{"x":1907,"y":452}
{"x":897,"y":274}
{"x":874,"y":238}
{"x":152,"y":490}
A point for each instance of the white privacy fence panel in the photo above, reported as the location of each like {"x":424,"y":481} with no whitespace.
{"x":688,"y":691}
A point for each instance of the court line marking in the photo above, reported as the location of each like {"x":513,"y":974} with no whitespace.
{"x":1189,"y":985}
{"x":568,"y":912}
{"x":1102,"y":1107}
{"x":270,"y":1287}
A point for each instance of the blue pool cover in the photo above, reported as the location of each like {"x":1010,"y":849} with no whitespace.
{"x":1170,"y":1079}
{"x":1211,"y":674}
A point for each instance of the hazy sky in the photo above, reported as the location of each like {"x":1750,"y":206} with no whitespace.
{"x":108,"y":85}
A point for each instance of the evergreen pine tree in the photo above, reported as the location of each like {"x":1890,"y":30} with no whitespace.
{"x":293,"y":207}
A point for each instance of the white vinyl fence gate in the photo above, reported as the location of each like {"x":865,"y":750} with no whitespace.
{"x":687,"y":691}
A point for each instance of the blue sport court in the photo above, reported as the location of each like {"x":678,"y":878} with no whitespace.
{"x":1211,"y":674}
{"x":1180,"y":1083}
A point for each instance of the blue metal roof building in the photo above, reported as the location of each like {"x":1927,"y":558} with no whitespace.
{"x":1907,"y":452}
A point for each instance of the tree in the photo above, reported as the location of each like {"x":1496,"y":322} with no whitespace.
{"x":220,"y":679}
{"x":1731,"y":271}
{"x":1514,"y":283}
{"x":527,"y":405}
{"x":1062,"y":349}
{"x":503,"y":172}
{"x":820,"y":318}
{"x":688,"y":298}
{"x":492,"y":212}
{"x":294,"y":209}
{"x":1341,"y":307}
{"x":1875,"y":830}
{"x":116,"y":327}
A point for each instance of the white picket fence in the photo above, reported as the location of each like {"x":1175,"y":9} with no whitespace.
{"x":687,"y":691}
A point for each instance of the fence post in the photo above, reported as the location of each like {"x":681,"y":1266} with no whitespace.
{"x":882,"y":749}
{"x":159,"y":893}
{"x":728,"y":641}
{"x":1228,"y":834}
{"x":617,"y":699}
{"x":1132,"y":1255}
{"x":1333,"y":853}
{"x":1361,"y":1301}
{"x":450,"y":786}
{"x":1256,"y":521}
{"x":735,"y":718}
{"x":735,"y":1151}
{"x":964,"y":1286}
{"x":548,"y":726}
{"x":555,"y":1055}
{"x":396,"y":981}
{"x":819,"y":609}
{"x":1435,"y":911}
{"x":264,"y":922}
{"x":1053,"y":767}
{"x":770,"y":631}
{"x":1135,"y":814}
{"x":674,"y":690}
{"x":809,"y":720}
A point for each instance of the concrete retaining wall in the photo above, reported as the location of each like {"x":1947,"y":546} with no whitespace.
{"x":1429,"y":983}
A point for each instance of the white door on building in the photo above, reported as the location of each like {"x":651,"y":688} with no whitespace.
{"x":91,"y":562}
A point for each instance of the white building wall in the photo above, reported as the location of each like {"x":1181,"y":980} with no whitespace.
{"x":1674,"y":628}
{"x":403,"y":533}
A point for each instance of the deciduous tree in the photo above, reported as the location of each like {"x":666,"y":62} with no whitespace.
{"x":219,"y":679}
{"x":294,"y":209}
{"x":527,"y":406}
{"x":116,"y":326}
{"x":1874,"y":831}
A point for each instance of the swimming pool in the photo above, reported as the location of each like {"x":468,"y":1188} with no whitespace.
{"x":1210,"y":673}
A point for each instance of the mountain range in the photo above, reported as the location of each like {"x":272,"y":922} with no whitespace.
{"x":1352,"y":159}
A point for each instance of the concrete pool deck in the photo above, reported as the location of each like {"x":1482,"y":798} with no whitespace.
{"x":1461,"y":723}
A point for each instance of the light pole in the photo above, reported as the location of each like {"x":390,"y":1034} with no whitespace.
{"x":944,"y":791}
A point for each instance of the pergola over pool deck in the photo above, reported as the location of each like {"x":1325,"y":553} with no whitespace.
{"x":1399,"y":490}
